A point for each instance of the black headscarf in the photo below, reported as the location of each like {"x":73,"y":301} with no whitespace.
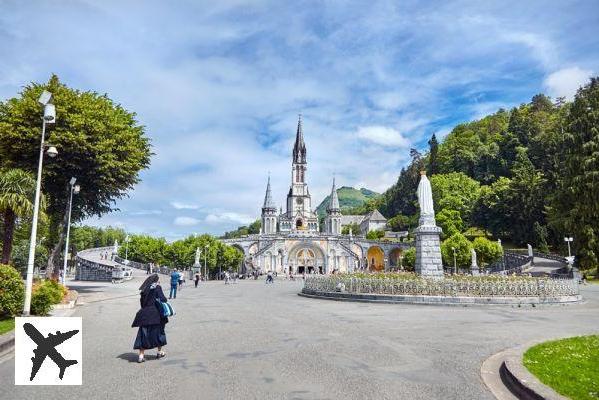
{"x":145,"y":287}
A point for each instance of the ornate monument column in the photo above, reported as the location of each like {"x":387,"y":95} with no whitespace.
{"x":428,"y":247}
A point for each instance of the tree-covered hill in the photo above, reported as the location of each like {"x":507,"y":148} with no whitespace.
{"x":525,"y":175}
{"x":349,"y":198}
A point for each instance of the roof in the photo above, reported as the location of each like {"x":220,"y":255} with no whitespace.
{"x":375,"y":215}
{"x":351,"y":219}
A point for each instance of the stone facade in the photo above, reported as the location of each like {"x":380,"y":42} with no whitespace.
{"x":292,"y":241}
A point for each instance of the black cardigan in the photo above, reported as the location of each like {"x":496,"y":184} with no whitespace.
{"x":149,"y":314}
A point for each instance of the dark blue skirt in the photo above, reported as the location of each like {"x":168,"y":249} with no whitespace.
{"x":149,"y":337}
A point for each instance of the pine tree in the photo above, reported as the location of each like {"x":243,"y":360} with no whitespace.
{"x":575,"y":206}
{"x":433,"y":162}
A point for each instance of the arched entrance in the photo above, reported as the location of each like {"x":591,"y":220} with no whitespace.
{"x":375,"y":258}
{"x":395,"y":258}
{"x":306,"y":258}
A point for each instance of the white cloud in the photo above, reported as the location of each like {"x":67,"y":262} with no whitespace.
{"x":566,"y":81}
{"x":183,"y":206}
{"x":220,"y":218}
{"x":186,"y":221}
{"x":383,"y":136}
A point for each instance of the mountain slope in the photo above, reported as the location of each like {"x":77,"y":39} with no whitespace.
{"x":348,"y":198}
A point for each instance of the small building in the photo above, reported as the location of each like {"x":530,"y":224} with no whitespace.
{"x":374,"y":221}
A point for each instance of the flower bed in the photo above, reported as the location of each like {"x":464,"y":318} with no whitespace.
{"x":450,"y":286}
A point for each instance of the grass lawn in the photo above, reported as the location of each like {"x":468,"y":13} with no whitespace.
{"x":7,"y":325}
{"x":569,"y":366}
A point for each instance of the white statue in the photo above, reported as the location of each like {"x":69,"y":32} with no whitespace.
{"x":474,"y":268}
{"x":530,"y":252}
{"x":115,"y":249}
{"x":425,"y":201}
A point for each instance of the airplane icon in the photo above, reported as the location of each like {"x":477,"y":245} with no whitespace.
{"x":46,"y":346}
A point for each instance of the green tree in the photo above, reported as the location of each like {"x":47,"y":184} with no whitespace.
{"x":375,"y":235}
{"x":450,"y":221}
{"x":99,"y":142}
{"x":492,"y":210}
{"x":575,"y":206}
{"x":409,"y":259}
{"x":433,"y":150}
{"x":455,"y":191}
{"x":402,"y":223}
{"x":462,"y":248}
{"x":17,"y":188}
{"x":355,"y":229}
{"x":487,"y":251}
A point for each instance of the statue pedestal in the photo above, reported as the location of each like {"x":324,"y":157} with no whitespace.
{"x":428,"y":251}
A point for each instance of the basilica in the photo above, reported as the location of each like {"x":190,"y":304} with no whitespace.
{"x":293,"y":240}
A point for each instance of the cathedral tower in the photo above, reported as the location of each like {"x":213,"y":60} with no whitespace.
{"x":269,"y":212}
{"x":299,"y":215}
{"x":332,"y":222}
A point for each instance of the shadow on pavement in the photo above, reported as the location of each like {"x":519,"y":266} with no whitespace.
{"x":131,"y":357}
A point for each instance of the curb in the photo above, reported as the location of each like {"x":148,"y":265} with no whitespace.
{"x":69,"y":305}
{"x":7,"y":343}
{"x":506,"y":377}
{"x":441,"y":300}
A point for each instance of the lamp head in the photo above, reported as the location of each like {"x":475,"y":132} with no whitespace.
{"x":72,"y":181}
{"x":45,"y":97}
{"x":52,"y":152}
{"x":76,"y":189}
{"x":50,"y":113}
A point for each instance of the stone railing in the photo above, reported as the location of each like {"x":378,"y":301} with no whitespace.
{"x":449,"y":287}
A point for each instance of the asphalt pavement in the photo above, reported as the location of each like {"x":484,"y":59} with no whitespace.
{"x":255,"y":341}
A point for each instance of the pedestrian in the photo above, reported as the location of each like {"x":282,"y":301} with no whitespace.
{"x":174,"y":282}
{"x":196,"y":278}
{"x":149,"y":320}
{"x":227,"y":277}
{"x":148,"y":269}
{"x":269,"y":277}
{"x":181,"y":279}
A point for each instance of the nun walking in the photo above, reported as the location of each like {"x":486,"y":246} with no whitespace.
{"x":149,"y":320}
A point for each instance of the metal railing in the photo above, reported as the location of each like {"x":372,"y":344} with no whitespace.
{"x":510,"y":263}
{"x":517,"y":286}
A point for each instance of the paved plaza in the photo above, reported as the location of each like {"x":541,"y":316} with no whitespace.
{"x":255,"y":341}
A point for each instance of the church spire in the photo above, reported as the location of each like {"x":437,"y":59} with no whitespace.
{"x":299,"y":149}
{"x":333,"y":200}
{"x":268,"y":202}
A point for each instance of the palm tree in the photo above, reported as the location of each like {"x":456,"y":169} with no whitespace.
{"x":17,"y":189}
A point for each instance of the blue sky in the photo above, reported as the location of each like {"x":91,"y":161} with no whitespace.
{"x":219,"y":85}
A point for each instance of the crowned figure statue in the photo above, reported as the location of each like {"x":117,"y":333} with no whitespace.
{"x":428,"y":246}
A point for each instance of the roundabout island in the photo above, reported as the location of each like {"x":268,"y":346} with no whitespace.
{"x":450,"y":290}
{"x":430,"y":285}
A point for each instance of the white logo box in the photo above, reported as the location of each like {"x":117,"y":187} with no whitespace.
{"x":69,"y":349}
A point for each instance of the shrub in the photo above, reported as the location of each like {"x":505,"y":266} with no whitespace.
{"x":56,"y":290}
{"x":487,"y":251}
{"x":41,"y":301}
{"x":462,"y":250}
{"x":12,"y":291}
{"x":409,"y":258}
{"x":45,"y":294}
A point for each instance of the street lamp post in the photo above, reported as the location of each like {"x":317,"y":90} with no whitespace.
{"x":48,"y":118}
{"x":205,"y":265}
{"x":127,"y":238}
{"x":74,"y":190}
{"x":569,"y":239}
{"x":401,"y":262}
{"x":455,"y":265}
